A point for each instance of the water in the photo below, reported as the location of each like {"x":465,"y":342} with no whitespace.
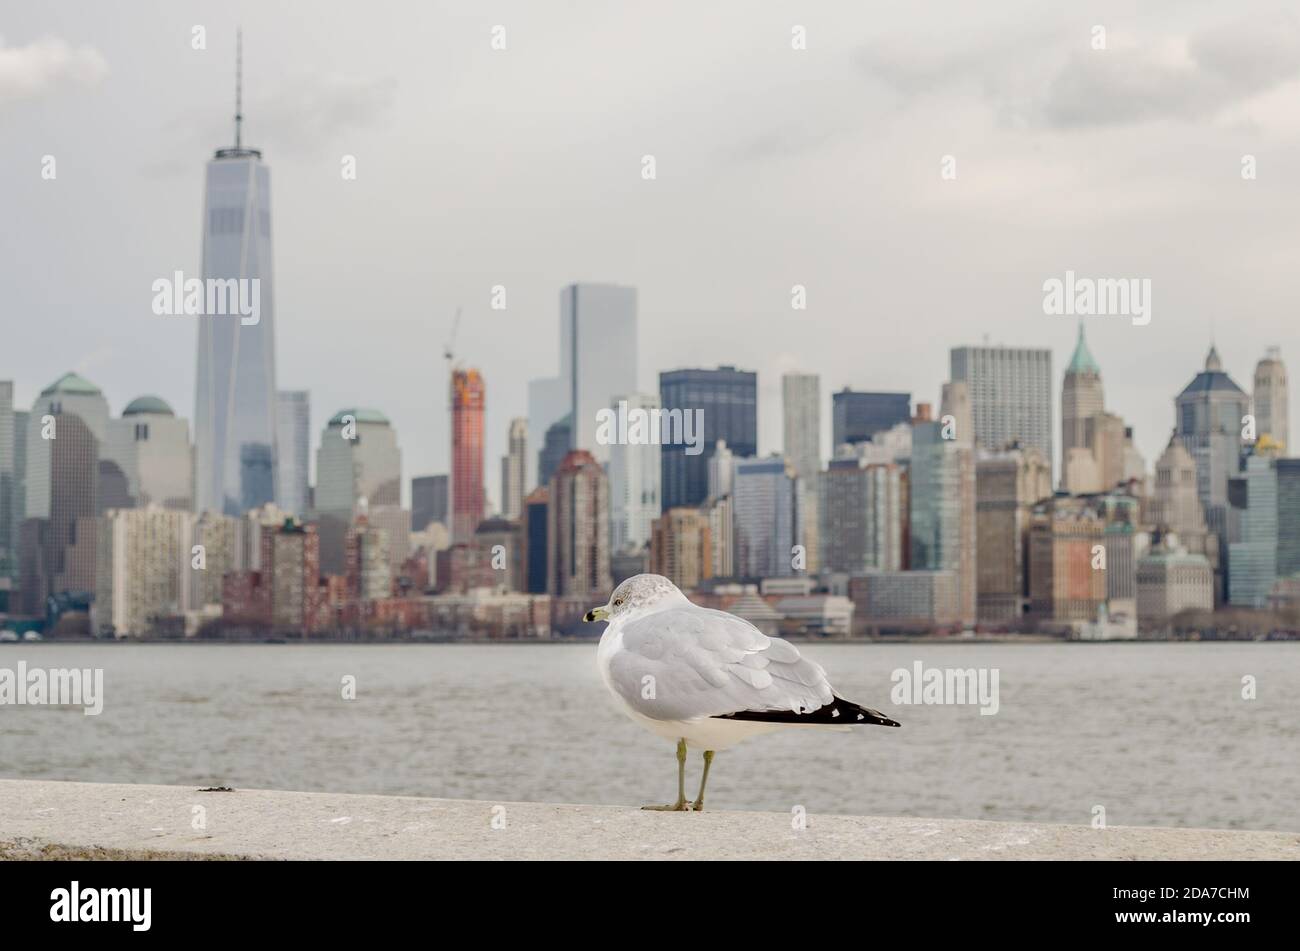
{"x":1157,"y":734}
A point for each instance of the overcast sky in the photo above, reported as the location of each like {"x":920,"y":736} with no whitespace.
{"x":775,"y":167}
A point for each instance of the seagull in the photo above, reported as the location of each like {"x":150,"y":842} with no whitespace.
{"x":708,"y":679}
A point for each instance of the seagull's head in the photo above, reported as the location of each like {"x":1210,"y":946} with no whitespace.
{"x":640,"y":594}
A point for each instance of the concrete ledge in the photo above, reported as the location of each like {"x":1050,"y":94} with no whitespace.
{"x":56,"y":820}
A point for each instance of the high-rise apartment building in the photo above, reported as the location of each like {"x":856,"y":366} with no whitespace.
{"x":143,"y":571}
{"x":578,"y":528}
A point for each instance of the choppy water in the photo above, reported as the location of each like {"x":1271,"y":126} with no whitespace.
{"x":1157,"y":734}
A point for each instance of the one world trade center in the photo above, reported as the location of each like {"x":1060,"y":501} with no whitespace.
{"x":235,"y":397}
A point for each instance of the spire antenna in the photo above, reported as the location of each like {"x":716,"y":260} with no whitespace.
{"x":239,"y":83}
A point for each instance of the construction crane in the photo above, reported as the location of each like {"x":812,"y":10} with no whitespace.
{"x":448,"y":351}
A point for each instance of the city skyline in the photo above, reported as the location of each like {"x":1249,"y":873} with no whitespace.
{"x":1242,"y":303}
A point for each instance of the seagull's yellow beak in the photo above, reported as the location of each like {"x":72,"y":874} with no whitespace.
{"x":596,"y":614}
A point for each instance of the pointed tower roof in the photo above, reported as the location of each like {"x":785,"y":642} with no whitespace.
{"x":1212,"y":362}
{"x":1082,"y":361}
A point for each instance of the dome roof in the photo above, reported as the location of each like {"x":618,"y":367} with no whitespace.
{"x":361,"y":416}
{"x":72,"y":383}
{"x":153,"y":405}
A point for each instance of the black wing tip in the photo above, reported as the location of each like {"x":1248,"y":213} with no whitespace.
{"x":839,"y":712}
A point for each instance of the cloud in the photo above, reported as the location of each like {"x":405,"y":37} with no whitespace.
{"x":1219,"y":68}
{"x":309,"y":113}
{"x":1172,"y":77}
{"x":27,"y":72}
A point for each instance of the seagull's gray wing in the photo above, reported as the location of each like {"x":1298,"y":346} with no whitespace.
{"x":687,"y":662}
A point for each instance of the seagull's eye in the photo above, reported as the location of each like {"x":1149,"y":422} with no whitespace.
{"x":617,"y":602}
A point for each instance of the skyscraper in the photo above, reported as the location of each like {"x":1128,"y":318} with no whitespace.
{"x":8,"y":534}
{"x":535,"y":540}
{"x":235,"y":395}
{"x":548,"y":403}
{"x":514,"y":468}
{"x":801,"y":416}
{"x":1252,"y":562}
{"x":727,"y":401}
{"x":765,"y":516}
{"x":358,"y":461}
{"x":578,"y":528}
{"x":468,"y":399}
{"x":862,"y":525}
{"x":70,"y":395}
{"x":1010,"y":393}
{"x":556,"y":444}
{"x":598,"y":354}
{"x":634,"y":470}
{"x":1081,"y":398}
{"x":428,"y":501}
{"x":1272,"y":417}
{"x":941,"y":488}
{"x":1209,"y":414}
{"x":857,"y":417}
{"x":1007,"y":486}
{"x":64,"y":489}
{"x":293,"y":439}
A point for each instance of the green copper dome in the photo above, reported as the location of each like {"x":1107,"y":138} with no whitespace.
{"x":71,"y":383}
{"x":361,"y":416}
{"x":1082,"y":361}
{"x":148,"y":405}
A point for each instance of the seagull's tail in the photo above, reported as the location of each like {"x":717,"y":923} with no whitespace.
{"x":839,"y":713}
{"x":857,"y":713}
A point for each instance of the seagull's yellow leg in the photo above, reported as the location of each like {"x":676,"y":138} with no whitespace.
{"x":708,"y":761}
{"x":680,"y":805}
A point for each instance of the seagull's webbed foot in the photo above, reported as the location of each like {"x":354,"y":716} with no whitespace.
{"x":682,"y":806}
